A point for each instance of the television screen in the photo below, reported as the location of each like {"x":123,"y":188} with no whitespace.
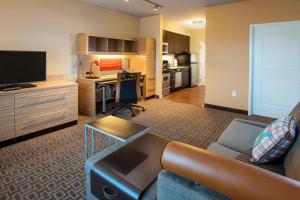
{"x":22,"y":67}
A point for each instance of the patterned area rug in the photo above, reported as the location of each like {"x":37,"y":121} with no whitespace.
{"x":52,"y":166}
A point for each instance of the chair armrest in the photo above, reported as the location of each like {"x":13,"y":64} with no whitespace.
{"x":227,"y":176}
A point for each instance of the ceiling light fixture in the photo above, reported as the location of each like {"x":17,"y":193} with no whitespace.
{"x":156,"y":5}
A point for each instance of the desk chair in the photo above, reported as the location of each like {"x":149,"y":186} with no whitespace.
{"x":128,"y":92}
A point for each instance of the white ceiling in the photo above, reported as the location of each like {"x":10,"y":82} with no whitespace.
{"x":182,"y":12}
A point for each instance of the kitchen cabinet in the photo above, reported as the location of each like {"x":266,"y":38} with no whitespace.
{"x":178,"y":43}
{"x":171,"y":42}
{"x":165,"y":36}
{"x":185,"y":77}
{"x":185,"y":43}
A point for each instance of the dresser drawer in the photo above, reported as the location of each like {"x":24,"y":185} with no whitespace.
{"x":7,"y":132}
{"x":41,"y":109}
{"x":42,"y":121}
{"x":45,"y":97}
{"x":7,"y":102}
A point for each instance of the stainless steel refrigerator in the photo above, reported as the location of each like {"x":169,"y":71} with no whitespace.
{"x":194,"y":70}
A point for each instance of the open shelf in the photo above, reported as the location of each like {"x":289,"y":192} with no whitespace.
{"x":97,"y":44}
{"x":130,"y":46}
{"x":115,"y":45}
{"x":90,"y":44}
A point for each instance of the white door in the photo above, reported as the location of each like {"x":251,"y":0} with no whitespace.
{"x":275,"y":68}
{"x":202,"y":64}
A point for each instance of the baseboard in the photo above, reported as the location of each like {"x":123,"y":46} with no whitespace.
{"x":36,"y":134}
{"x":151,"y":97}
{"x":234,"y":110}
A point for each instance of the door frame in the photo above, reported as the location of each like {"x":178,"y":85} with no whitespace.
{"x":251,"y":58}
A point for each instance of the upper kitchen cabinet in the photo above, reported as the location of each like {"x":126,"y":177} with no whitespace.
{"x":171,"y":42}
{"x":165,"y":36}
{"x":185,"y":43}
{"x":178,"y":43}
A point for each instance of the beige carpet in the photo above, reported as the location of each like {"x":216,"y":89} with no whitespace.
{"x":52,"y":166}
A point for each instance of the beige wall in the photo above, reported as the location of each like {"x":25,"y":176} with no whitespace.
{"x":173,"y":27}
{"x":196,"y":37}
{"x":152,"y":27}
{"x":227,"y":45}
{"x":51,"y":25}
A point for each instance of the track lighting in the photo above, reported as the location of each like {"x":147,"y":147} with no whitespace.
{"x":156,"y":6}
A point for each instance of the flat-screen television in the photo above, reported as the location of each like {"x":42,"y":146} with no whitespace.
{"x":18,"y":67}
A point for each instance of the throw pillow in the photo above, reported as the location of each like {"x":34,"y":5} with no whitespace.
{"x":274,"y":141}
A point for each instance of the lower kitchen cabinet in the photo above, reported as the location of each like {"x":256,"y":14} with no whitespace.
{"x":185,"y":77}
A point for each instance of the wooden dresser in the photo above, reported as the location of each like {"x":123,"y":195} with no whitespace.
{"x":29,"y":110}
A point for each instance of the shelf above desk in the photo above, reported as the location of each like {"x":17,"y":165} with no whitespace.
{"x":91,"y":45}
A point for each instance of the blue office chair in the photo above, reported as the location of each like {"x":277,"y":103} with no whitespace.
{"x":128,"y":92}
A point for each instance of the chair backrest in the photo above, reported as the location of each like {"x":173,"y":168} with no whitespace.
{"x":292,"y":159}
{"x":128,"y":87}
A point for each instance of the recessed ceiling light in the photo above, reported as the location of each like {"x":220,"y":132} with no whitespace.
{"x":126,"y":0}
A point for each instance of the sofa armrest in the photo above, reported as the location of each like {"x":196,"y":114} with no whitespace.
{"x":227,"y":176}
{"x":171,"y":186}
{"x":250,"y":122}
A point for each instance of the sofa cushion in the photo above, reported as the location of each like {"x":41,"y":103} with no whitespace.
{"x":292,"y":161}
{"x":296,"y":112}
{"x":276,"y":167}
{"x":274,"y":141}
{"x":225,"y":151}
{"x":172,"y":186}
{"x":240,"y":135}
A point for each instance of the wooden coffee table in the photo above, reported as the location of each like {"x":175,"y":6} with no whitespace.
{"x":113,"y":127}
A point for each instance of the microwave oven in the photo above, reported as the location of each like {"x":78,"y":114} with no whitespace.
{"x":165,"y":49}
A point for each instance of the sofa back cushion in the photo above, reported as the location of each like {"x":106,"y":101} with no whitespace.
{"x":292,"y":159}
{"x":296,"y":113}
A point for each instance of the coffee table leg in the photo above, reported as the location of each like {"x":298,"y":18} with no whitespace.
{"x":93,"y":142}
{"x":86,"y":132}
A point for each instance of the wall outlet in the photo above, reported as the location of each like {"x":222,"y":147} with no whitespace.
{"x":234,"y":93}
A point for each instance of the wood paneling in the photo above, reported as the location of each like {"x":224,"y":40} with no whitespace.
{"x":87,"y":97}
{"x":150,"y":61}
{"x":7,"y":128}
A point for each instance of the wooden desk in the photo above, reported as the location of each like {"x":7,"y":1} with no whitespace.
{"x":87,"y":93}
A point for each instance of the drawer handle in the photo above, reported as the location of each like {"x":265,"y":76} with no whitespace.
{"x":32,"y":124}
{"x":44,"y":101}
{"x":109,"y":193}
